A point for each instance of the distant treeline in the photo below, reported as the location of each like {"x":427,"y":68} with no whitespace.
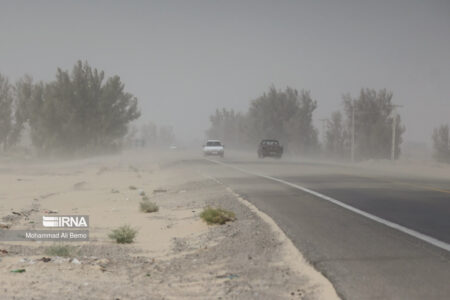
{"x":151,"y":135}
{"x":441,"y":144}
{"x":283,"y":115}
{"x":287,"y":115}
{"x":79,"y":112}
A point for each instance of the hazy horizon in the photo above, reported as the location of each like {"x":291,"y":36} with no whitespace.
{"x":182,"y":59}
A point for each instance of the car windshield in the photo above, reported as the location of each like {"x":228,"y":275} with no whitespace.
{"x":213,"y":144}
{"x":270,"y":142}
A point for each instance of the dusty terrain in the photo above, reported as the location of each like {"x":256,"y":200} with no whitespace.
{"x":175,"y":255}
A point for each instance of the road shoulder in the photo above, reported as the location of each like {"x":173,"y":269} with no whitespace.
{"x":175,"y":256}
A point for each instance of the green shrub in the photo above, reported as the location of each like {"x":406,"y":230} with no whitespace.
{"x":148,"y":207}
{"x":123,"y":235}
{"x":217,"y":215}
{"x":60,"y":250}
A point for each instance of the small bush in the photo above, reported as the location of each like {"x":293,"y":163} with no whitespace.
{"x":132,"y":187}
{"x":217,"y":215}
{"x":60,"y":250}
{"x":123,"y":235}
{"x":148,"y":207}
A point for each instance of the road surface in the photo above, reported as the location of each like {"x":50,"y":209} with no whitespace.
{"x":363,"y":258}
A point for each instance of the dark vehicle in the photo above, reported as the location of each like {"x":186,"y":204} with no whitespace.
{"x":271,"y":148}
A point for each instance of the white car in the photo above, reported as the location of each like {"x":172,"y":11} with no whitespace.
{"x":213,"y":147}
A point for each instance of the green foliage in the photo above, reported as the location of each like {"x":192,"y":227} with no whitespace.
{"x":228,"y":126}
{"x":148,"y":206}
{"x":123,"y":235}
{"x":441,"y":144}
{"x":336,"y":136}
{"x":78,"y":112}
{"x":302,"y":135}
{"x":282,"y":115}
{"x":217,"y":215}
{"x":6,"y":102}
{"x":373,"y":124}
{"x":23,"y":110}
{"x":60,"y":250}
{"x":288,"y":117}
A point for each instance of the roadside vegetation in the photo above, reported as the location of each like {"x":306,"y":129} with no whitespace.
{"x":60,"y":250}
{"x":123,"y":235}
{"x":441,"y":144}
{"x":370,"y":117}
{"x":283,"y":115}
{"x":147,"y":206}
{"x":62,"y":116}
{"x":287,"y":115}
{"x":217,"y":216}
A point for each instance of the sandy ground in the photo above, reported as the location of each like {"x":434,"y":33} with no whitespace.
{"x":175,"y":255}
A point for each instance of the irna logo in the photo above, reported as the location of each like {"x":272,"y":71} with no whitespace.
{"x":65,"y":221}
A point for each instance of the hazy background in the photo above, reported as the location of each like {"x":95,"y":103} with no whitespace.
{"x":183,"y":59}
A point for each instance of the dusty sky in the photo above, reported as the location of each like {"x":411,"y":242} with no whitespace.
{"x":182,"y":59}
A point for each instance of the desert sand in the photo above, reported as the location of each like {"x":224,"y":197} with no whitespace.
{"x":176,"y":255}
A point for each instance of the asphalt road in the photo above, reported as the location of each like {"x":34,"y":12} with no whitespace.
{"x":364,"y":259}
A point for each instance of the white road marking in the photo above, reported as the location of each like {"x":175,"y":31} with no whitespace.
{"x":418,"y":235}
{"x":297,"y":261}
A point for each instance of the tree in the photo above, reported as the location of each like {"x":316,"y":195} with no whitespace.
{"x":269,"y":114}
{"x":373,"y":124}
{"x":441,"y":144}
{"x":30,"y":108}
{"x":300,"y":130}
{"x":23,"y":111}
{"x":286,"y":116}
{"x":336,"y":136}
{"x":282,"y":115}
{"x":228,"y":126}
{"x":78,"y":112}
{"x":6,"y":104}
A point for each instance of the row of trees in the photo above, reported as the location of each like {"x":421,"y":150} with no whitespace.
{"x":287,"y":115}
{"x":283,"y":115}
{"x":152,"y":135}
{"x":229,"y":126}
{"x":78,"y":112}
{"x":149,"y":135}
{"x":368,"y":122}
{"x":6,"y":102}
{"x":441,"y":144}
